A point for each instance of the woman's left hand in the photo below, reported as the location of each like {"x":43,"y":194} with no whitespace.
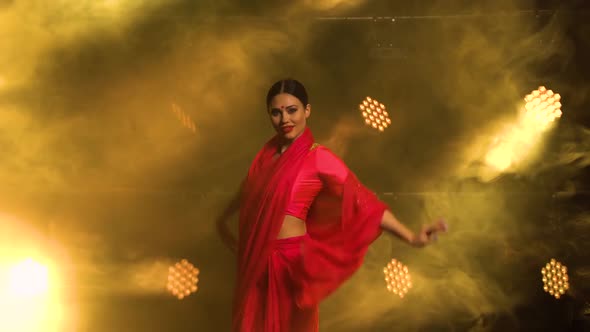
{"x":428,"y":234}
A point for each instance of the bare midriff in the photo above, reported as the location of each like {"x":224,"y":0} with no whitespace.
{"x":292,"y":226}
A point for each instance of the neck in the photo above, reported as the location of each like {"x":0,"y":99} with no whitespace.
{"x":285,"y":143}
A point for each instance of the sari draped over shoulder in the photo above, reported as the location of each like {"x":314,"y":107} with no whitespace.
{"x":339,"y":230}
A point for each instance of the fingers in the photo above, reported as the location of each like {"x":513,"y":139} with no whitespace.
{"x":429,"y":233}
{"x":439,"y":226}
{"x":431,"y":229}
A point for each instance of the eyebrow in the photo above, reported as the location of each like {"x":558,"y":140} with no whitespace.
{"x":274,"y":108}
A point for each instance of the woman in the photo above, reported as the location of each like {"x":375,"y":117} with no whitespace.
{"x":305,"y":223}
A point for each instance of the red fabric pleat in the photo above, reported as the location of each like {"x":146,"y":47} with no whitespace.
{"x":280,"y":289}
{"x":335,"y":248}
{"x":265,"y":196}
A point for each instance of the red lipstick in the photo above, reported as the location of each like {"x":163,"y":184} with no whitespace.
{"x":286,"y":129}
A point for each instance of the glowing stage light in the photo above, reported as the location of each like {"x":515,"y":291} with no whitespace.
{"x":555,"y":278}
{"x":542,"y":107}
{"x":184,"y":118}
{"x":397,"y":278}
{"x":182,"y":279}
{"x":518,"y":142}
{"x":374,"y":114}
{"x":28,"y":279}
{"x":29,"y":299}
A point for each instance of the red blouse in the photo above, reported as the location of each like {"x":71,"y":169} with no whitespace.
{"x":322,"y":172}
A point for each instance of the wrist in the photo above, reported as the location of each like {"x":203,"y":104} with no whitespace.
{"x":412,"y":239}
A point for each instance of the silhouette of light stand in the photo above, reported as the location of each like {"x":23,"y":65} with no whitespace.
{"x":397,"y":278}
{"x":183,"y":278}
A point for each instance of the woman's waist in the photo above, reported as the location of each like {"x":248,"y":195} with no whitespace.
{"x":292,"y":227}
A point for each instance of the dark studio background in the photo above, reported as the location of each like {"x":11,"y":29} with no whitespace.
{"x":99,"y":174}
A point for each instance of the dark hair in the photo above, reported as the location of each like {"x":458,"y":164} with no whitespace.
{"x":290,"y":86}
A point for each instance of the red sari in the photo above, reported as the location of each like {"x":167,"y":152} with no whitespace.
{"x":281,"y":282}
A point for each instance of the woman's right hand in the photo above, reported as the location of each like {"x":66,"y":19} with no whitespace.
{"x":429,"y":234}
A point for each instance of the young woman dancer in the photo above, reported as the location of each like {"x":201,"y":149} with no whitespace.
{"x":305,"y":223}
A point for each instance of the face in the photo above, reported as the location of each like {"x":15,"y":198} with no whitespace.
{"x":288,"y":115}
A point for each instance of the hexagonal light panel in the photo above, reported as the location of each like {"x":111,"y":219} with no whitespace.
{"x":542,"y":107}
{"x":182,"y":279}
{"x":397,"y":278}
{"x":374,"y":114}
{"x":555,"y":278}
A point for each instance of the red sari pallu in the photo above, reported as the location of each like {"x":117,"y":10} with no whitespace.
{"x":281,"y":282}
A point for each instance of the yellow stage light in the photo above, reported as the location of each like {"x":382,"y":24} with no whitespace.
{"x":542,"y":107}
{"x":518,"y":141}
{"x":374,"y":114}
{"x":183,"y":278}
{"x":29,"y":297}
{"x":555,"y":278}
{"x":397,"y":278}
{"x":28,"y":279}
